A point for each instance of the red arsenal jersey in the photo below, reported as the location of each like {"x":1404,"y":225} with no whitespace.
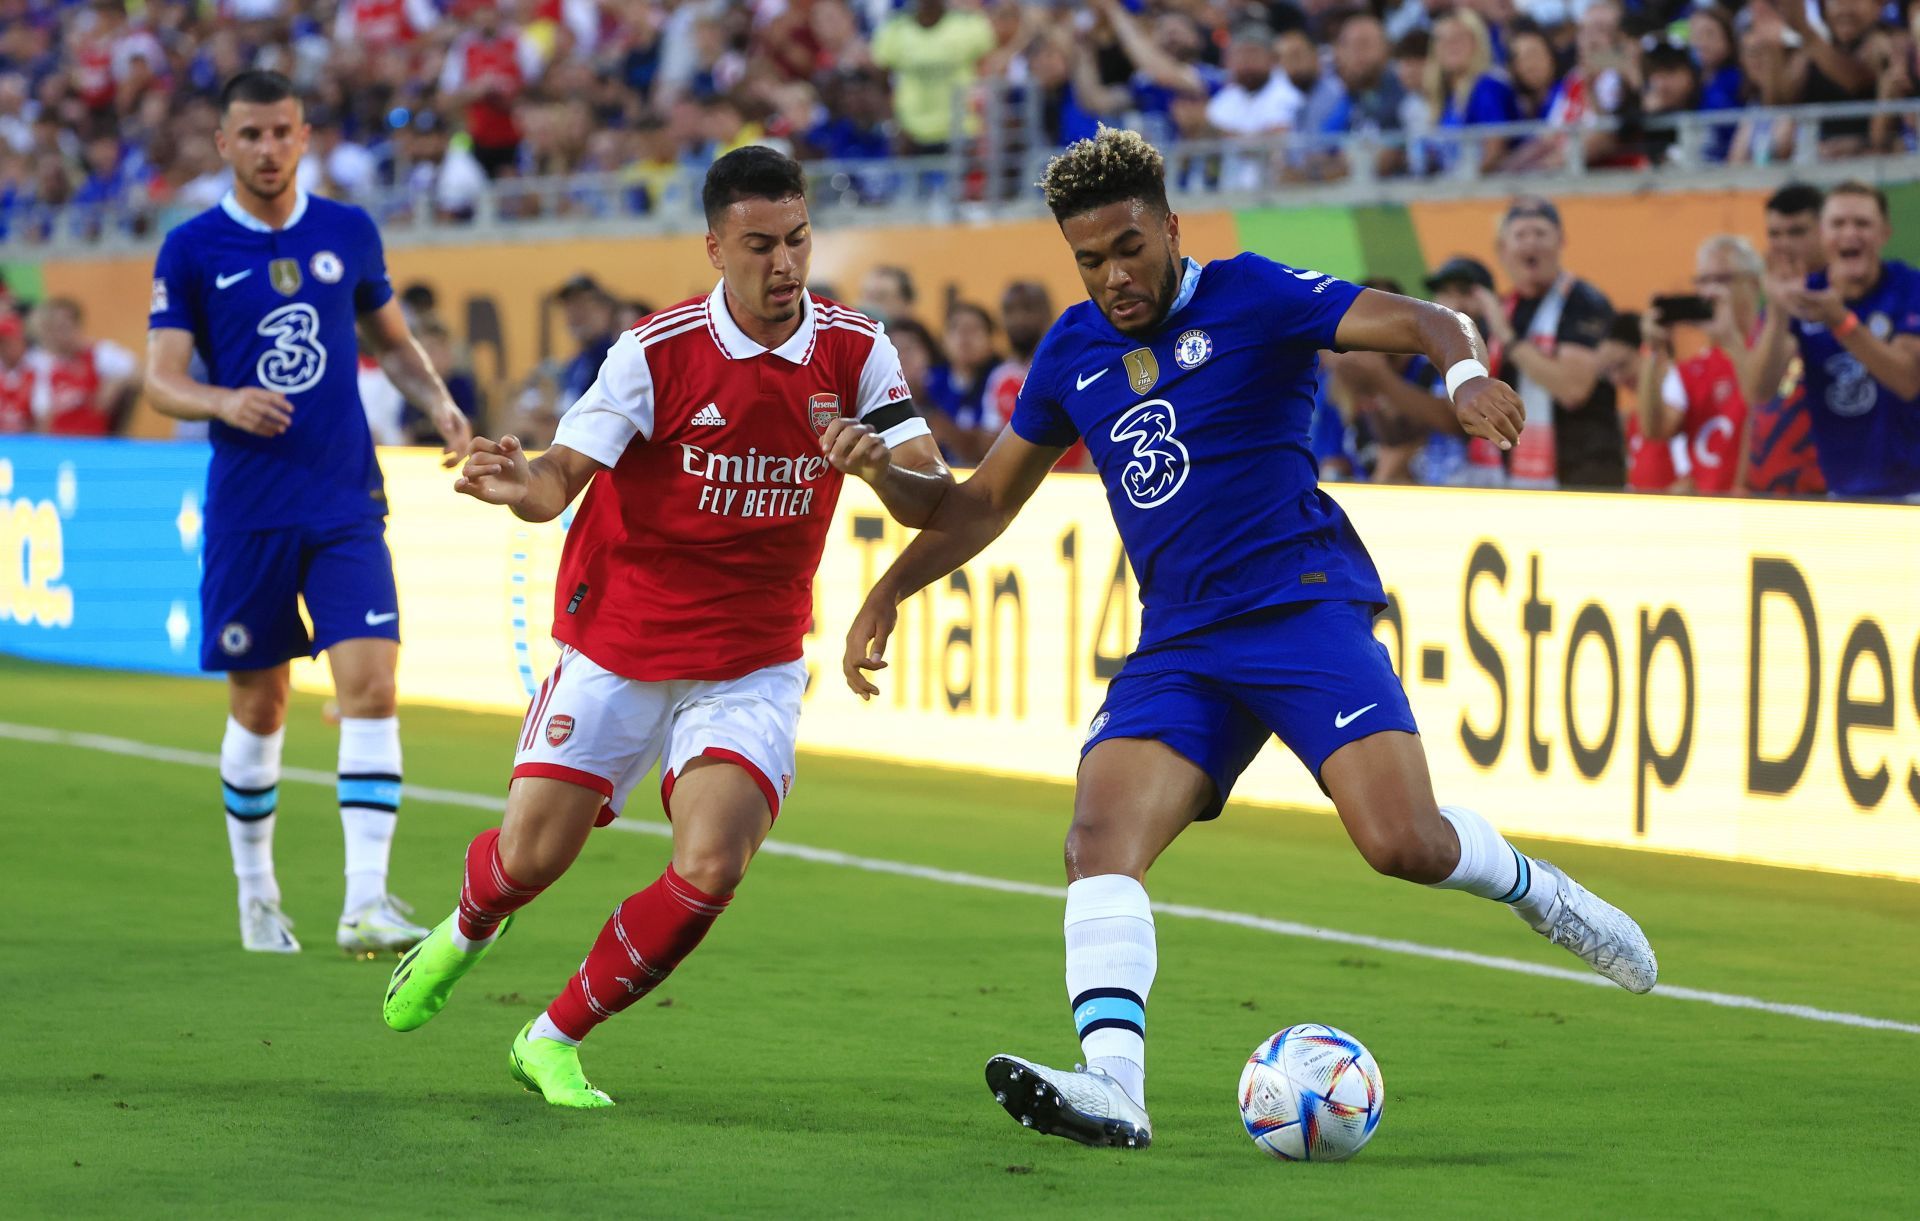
{"x":693,"y":555}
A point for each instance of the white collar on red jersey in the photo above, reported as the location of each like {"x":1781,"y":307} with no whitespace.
{"x":240,"y":216}
{"x":739,"y":346}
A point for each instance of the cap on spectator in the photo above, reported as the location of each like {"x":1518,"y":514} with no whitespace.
{"x":582,"y":283}
{"x":1253,"y":34}
{"x":1534,"y":207}
{"x":1461,"y":270}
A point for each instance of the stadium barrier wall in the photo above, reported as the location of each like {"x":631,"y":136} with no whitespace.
{"x":1730,"y":678}
{"x":493,"y":294}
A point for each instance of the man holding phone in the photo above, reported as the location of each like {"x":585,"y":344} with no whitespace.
{"x":1690,"y":416}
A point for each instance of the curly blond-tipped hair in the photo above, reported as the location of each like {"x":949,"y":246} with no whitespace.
{"x":1114,"y":165}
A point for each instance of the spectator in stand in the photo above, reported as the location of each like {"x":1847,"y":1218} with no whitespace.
{"x":1690,"y":415}
{"x":887,"y":294}
{"x":1257,"y":99}
{"x":1841,"y":63}
{"x":1671,"y":87}
{"x":1165,"y":65}
{"x":958,"y":388}
{"x":1764,"y":61}
{"x":853,"y":126}
{"x":1463,"y":285}
{"x":1025,"y":314}
{"x":90,"y":384}
{"x":1533,"y":68}
{"x":1463,"y":90}
{"x":486,"y":71}
{"x":931,"y":52}
{"x":1548,"y":331}
{"x":19,"y":378}
{"x":1604,"y":77}
{"x":589,"y":310}
{"x":1779,"y":458}
{"x":1710,"y":38}
{"x":1360,"y":96}
{"x":1299,"y":59}
{"x":1391,"y":405}
{"x":1857,"y":327}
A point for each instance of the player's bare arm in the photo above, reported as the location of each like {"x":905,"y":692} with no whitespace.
{"x":173,"y":391}
{"x":968,"y":517}
{"x":909,"y":480}
{"x":1386,"y":322}
{"x":540,"y":489}
{"x":385,"y":333}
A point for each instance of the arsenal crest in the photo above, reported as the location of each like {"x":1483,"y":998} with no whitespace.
{"x":824,"y":409}
{"x":1143,"y":371}
{"x":559,"y":729}
{"x":284,"y":274}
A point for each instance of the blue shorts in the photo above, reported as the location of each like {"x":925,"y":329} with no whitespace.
{"x":1310,"y":672}
{"x":251,"y":583}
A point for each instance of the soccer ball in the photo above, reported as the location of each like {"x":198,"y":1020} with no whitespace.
{"x":1311,"y":1094}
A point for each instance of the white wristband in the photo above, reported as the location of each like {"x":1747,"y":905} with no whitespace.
{"x":1463,"y":372}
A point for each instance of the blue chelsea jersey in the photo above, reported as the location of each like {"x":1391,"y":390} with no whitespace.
{"x":277,"y":308}
{"x":1867,"y":438}
{"x":1199,"y":431}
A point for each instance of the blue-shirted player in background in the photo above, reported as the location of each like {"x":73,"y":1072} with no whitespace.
{"x":269,"y":290}
{"x":1192,"y":387}
{"x":1857,"y":327}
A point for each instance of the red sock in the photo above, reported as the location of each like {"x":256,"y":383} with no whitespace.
{"x":488,"y":894}
{"x":646,"y":938}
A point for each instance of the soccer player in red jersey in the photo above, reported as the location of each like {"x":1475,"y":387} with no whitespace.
{"x":712,"y":448}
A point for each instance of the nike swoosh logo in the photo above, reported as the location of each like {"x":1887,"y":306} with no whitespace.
{"x":374,"y":620}
{"x":1083,"y":381}
{"x":1342,"y":721}
{"x":230,"y":281}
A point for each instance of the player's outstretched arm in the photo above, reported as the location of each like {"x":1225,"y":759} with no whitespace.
{"x":404,"y":361}
{"x":970,"y":515}
{"x":910,"y":480}
{"x":499,"y":473}
{"x":1386,"y":322}
{"x":173,"y":391}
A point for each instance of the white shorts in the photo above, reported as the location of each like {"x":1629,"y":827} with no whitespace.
{"x":599,"y":730}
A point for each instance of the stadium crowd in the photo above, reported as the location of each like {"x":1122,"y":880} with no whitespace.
{"x":419,"y":103}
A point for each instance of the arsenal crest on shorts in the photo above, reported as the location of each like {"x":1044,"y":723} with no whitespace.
{"x":824,"y":410}
{"x":559,"y":729}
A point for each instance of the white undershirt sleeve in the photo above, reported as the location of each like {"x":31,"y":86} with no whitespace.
{"x":615,"y":409}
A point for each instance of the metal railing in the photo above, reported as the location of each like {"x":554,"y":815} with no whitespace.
{"x":993,"y":176}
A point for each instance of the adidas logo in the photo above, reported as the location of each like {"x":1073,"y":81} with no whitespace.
{"x":709,"y":415}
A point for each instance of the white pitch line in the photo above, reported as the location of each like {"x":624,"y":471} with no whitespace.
{"x":975,"y":881}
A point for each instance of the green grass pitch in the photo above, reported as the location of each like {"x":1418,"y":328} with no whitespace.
{"x":821,"y":1055}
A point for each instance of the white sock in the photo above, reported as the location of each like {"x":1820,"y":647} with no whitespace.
{"x":543,"y":1028}
{"x":249,"y":780}
{"x":466,"y":944}
{"x":1494,"y":869}
{"x":1110,"y":966}
{"x":369,"y":803}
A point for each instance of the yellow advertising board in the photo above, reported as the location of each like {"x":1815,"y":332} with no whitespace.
{"x":1729,"y":678}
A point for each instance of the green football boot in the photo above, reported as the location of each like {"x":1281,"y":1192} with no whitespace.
{"x":552,"y":1070}
{"x":424,"y":979}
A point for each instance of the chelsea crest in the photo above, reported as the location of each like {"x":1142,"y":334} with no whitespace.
{"x":1191,"y":350}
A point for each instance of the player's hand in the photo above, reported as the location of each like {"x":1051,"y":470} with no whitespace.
{"x":867,"y":642}
{"x":256,"y":410}
{"x":451,"y":423}
{"x":496,"y":471}
{"x":1487,"y":407}
{"x":856,"y":449}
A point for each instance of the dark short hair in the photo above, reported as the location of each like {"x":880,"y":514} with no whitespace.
{"x":970,"y":307}
{"x":1531,"y":207}
{"x":918,"y":330}
{"x":753,"y":172}
{"x":1865,"y":190}
{"x":261,"y":88}
{"x":902,"y":279}
{"x":1111,"y":166}
{"x":1795,"y":198}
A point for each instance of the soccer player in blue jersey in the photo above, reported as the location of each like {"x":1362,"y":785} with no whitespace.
{"x":1857,"y":327}
{"x":269,"y":290}
{"x":1192,"y":387}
